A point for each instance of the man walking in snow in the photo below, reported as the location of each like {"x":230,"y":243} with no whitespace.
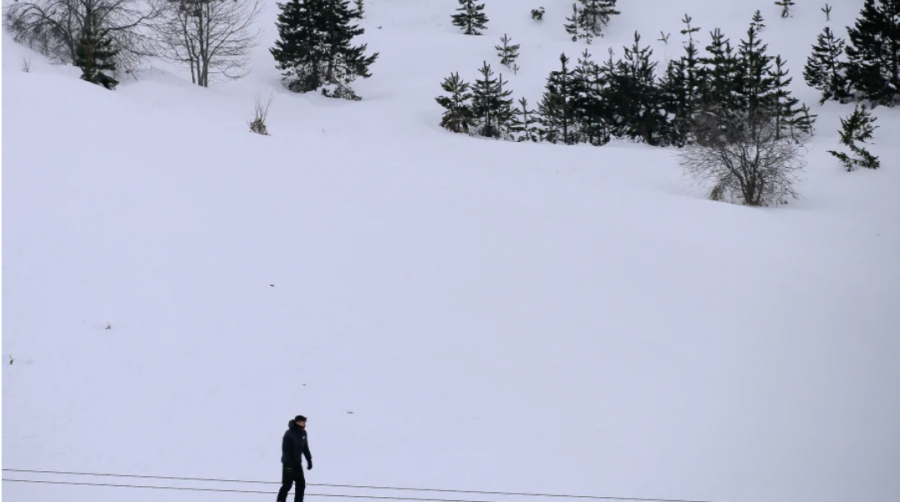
{"x":293,"y":447}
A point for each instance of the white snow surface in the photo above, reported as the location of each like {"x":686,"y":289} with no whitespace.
{"x":449,"y":312}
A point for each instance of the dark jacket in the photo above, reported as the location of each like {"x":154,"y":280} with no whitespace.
{"x":294,"y":446}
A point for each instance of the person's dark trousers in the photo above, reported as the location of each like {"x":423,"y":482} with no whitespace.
{"x":292,"y":474}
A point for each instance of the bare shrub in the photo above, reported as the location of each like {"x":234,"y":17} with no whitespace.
{"x":744,"y":156}
{"x":55,"y":27}
{"x":260,"y":112}
{"x":26,"y":65}
{"x":209,"y":36}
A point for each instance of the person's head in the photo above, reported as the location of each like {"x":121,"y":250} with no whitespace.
{"x":300,"y":420}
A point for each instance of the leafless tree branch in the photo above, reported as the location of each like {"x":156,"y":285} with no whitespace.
{"x":744,"y":156}
{"x":54,"y":27}
{"x":211,"y":37}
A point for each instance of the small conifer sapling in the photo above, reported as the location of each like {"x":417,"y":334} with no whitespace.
{"x":824,"y":69}
{"x":457,"y":115}
{"x":524,"y":124}
{"x":785,"y":7}
{"x":471,"y":17}
{"x":508,"y":53}
{"x":857,"y":128}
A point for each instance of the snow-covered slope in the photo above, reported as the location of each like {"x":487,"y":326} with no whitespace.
{"x":449,"y":312}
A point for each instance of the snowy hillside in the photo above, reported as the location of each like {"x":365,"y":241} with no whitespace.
{"x":449,"y":312}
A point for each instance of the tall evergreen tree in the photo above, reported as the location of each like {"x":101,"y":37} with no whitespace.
{"x":95,"y":55}
{"x":636,"y":97}
{"x":589,"y":108}
{"x":506,"y":114}
{"x":594,"y":15}
{"x":557,"y":106}
{"x":490,"y":103}
{"x":756,"y":90}
{"x":300,"y":51}
{"x":572,"y":26}
{"x":723,"y":74}
{"x":508,"y":52}
{"x":525,"y":124}
{"x":471,"y":17}
{"x":315,"y":46}
{"x":682,"y":89}
{"x":457,"y":116}
{"x":824,"y":70}
{"x":784,"y":105}
{"x":673,"y":99}
{"x":873,"y":52}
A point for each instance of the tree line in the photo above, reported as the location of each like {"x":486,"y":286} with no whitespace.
{"x":867,"y":67}
{"x":630,"y":97}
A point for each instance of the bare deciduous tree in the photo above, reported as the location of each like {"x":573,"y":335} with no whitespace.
{"x":54,"y":27}
{"x":209,"y":36}
{"x":744,"y":156}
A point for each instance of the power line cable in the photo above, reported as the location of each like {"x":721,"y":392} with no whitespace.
{"x":349,"y":486}
{"x":230,"y":490}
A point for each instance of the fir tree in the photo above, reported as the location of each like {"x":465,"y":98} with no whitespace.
{"x":314,"y":47}
{"x":784,"y":105}
{"x":491,"y":104}
{"x":827,"y":11}
{"x":723,"y":76}
{"x":589,"y":108}
{"x":508,"y":53}
{"x":299,"y":51}
{"x":636,"y":97}
{"x":524,"y":124}
{"x":95,"y":55}
{"x":785,"y":7}
{"x":756,"y":89}
{"x":538,"y":14}
{"x":673,"y":99}
{"x":594,"y":15}
{"x":471,"y":17}
{"x":506,"y":114}
{"x":758,"y":21}
{"x":804,"y":121}
{"x":682,"y":88}
{"x":873,"y":52}
{"x":557,"y":106}
{"x":858,"y":127}
{"x":572,"y":25}
{"x":458,"y":111}
{"x":824,"y":70}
